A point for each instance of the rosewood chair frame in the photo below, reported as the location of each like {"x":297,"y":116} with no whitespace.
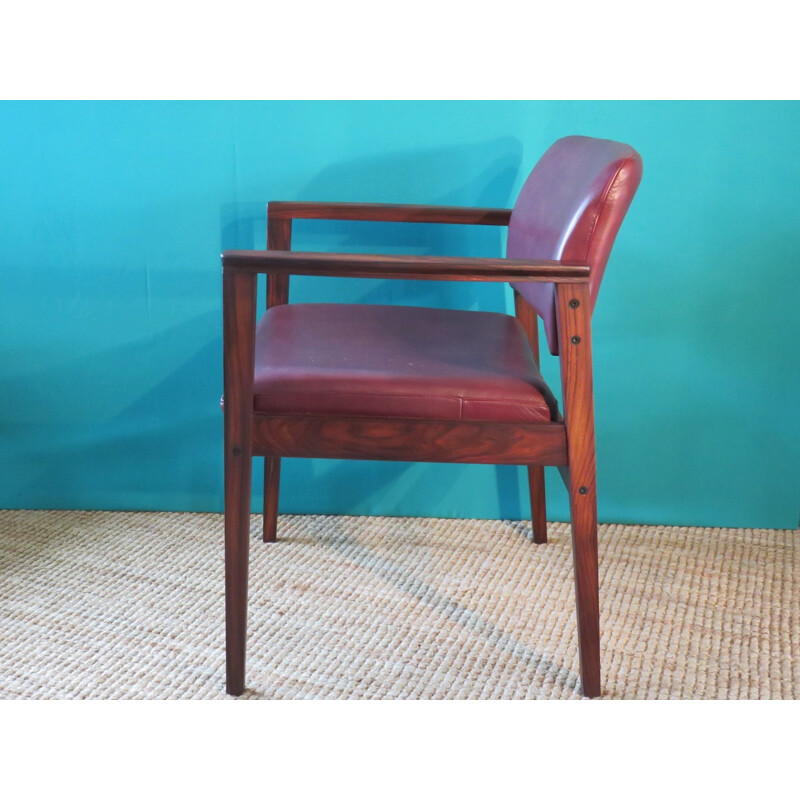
{"x":567,"y":443}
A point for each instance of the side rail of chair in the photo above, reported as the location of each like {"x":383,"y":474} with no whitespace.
{"x":360,"y":265}
{"x":386,"y":212}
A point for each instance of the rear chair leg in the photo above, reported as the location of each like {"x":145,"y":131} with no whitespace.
{"x":272,"y":482}
{"x":575,"y":347}
{"x":583,"y":510}
{"x":538,"y":504}
{"x":530,"y":324}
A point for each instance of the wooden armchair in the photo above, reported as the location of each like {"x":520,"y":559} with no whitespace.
{"x":414,"y":384}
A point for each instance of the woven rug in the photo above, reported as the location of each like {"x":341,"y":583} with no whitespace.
{"x":130,"y":605}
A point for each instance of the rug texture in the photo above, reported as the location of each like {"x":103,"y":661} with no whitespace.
{"x":130,"y":605}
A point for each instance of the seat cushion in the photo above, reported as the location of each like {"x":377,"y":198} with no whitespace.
{"x":396,"y":361}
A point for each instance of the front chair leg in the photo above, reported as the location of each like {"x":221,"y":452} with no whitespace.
{"x":272,"y":482}
{"x":239,"y":308}
{"x":538,"y":504}
{"x":237,"y":541}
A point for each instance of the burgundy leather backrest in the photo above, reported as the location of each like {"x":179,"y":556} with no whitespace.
{"x":570,"y":209}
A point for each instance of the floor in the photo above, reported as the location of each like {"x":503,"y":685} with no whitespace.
{"x":130,"y":605}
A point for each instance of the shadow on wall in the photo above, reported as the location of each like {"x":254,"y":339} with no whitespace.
{"x":158,"y":448}
{"x":474,"y":175}
{"x":481,"y":174}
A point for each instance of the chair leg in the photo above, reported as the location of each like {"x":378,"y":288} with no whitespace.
{"x":237,"y":540}
{"x":272,"y":482}
{"x":583,"y":510}
{"x":538,"y":504}
{"x":530,"y":322}
{"x":575,"y":346}
{"x":238,"y":335}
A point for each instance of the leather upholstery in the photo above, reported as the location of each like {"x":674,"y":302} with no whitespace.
{"x":570,"y":209}
{"x":396,"y":361}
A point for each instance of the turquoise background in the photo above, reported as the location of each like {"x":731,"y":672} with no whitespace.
{"x":114,"y":214}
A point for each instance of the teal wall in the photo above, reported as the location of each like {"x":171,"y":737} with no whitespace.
{"x":114,"y":214}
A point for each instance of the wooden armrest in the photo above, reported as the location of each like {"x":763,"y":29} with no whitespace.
{"x":384,"y":212}
{"x":358,"y":265}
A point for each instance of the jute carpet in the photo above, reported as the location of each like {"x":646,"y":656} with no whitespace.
{"x":130,"y":605}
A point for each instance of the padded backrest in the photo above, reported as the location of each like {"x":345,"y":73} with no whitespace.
{"x":570,"y":209}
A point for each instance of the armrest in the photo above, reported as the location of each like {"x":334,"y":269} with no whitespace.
{"x":383,"y":212}
{"x":358,"y":265}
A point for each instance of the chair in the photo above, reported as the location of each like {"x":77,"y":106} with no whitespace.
{"x":418,"y":384}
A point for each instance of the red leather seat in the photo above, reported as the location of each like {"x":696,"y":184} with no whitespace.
{"x":395,"y":361}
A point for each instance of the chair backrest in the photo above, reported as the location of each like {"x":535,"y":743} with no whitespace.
{"x":570,"y":209}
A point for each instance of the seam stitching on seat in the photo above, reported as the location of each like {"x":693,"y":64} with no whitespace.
{"x":543,"y":403}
